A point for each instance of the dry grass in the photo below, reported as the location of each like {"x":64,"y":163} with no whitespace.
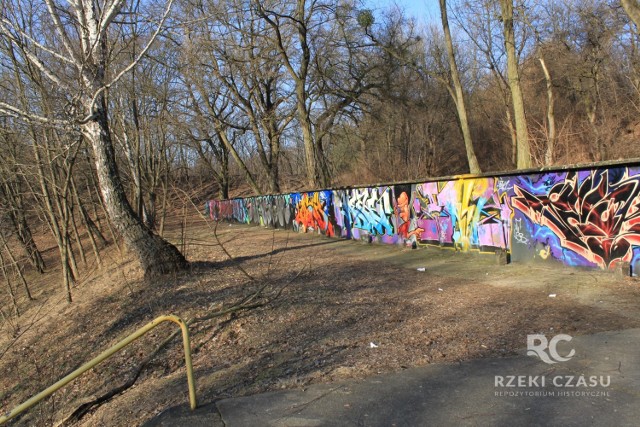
{"x":339,"y":297}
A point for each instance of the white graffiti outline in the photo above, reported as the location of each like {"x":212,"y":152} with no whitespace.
{"x":503,"y":186}
{"x":518,"y":234}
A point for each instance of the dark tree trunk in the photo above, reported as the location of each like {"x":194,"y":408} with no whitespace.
{"x":21,"y":226}
{"x":224,"y":184}
{"x":93,"y":228}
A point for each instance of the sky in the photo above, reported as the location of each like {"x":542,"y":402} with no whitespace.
{"x":423,"y":10}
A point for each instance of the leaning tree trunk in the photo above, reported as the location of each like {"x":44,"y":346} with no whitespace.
{"x":156,"y":255}
{"x":551,"y":117}
{"x":458,"y":94}
{"x":523,"y":151}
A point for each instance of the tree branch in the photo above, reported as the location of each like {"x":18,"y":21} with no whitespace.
{"x":135,"y":62}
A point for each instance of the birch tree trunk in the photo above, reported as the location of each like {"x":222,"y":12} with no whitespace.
{"x":78,"y":60}
{"x":156,"y":256}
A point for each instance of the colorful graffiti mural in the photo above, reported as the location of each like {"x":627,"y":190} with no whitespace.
{"x":465,"y":214}
{"x":406,"y":220}
{"x":588,"y":217}
{"x":341,"y":214}
{"x":595,"y":214}
{"x":371,"y":214}
{"x":313,"y":212}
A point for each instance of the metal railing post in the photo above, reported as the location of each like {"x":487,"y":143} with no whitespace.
{"x":108,"y":353}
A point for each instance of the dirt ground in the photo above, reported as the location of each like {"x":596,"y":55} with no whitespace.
{"x":346,"y":310}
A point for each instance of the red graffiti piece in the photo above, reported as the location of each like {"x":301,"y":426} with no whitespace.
{"x":310,"y":215}
{"x":226,"y":210}
{"x":403,"y":230}
{"x":220,"y":209}
{"x":598,"y":219}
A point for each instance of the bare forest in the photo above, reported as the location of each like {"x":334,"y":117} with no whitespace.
{"x":119,"y":119}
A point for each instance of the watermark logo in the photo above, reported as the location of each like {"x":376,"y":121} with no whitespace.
{"x":537,"y":345}
{"x":587,"y":386}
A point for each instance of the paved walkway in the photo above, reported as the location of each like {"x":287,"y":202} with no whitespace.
{"x":463,"y":394}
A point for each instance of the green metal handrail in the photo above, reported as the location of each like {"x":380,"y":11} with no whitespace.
{"x":108,"y":353}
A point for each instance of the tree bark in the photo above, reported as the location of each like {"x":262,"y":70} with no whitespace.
{"x":632,"y":7}
{"x":523,"y":160}
{"x":551,"y":117}
{"x":474,"y":167}
{"x":156,"y":256}
{"x":88,"y":223}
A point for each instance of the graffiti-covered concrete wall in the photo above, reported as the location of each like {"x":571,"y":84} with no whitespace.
{"x":579,"y":217}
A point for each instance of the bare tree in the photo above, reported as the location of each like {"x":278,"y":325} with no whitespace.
{"x":14,"y":191}
{"x":240,"y":80}
{"x":73,"y":50}
{"x":291,"y":23}
{"x":347,"y":72}
{"x":458,"y":95}
{"x":211,"y":124}
{"x":551,"y":117}
{"x":523,"y":151}
{"x":484,"y":33}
